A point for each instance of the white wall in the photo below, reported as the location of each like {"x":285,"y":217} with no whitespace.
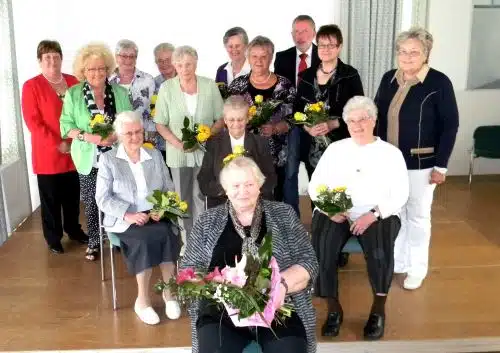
{"x":450,"y":22}
{"x":198,"y":23}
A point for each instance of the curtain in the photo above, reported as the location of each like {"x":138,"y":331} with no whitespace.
{"x":370,"y":28}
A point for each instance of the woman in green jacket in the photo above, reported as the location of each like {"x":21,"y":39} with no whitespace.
{"x":82,"y":102}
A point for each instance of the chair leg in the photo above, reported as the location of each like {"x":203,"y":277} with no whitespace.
{"x":113,"y":280}
{"x":101,"y":246}
{"x":471,"y":166}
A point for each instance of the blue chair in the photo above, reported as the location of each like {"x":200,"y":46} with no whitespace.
{"x":352,"y":246}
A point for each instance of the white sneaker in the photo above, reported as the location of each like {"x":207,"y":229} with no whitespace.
{"x":147,"y":315}
{"x":172,"y":309}
{"x":412,"y":282}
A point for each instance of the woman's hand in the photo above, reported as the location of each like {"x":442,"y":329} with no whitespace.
{"x":91,"y":138}
{"x":139,"y":218}
{"x":359,"y":226}
{"x":339,"y":218}
{"x":267,"y":130}
{"x":437,"y":177}
{"x":64,"y":147}
{"x":154,"y":216}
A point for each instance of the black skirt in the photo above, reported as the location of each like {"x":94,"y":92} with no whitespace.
{"x":149,"y":245}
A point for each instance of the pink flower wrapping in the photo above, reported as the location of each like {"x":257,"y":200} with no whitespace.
{"x":187,"y":274}
{"x":272,"y":305}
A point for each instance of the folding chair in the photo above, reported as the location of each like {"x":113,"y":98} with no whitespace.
{"x":113,"y":241}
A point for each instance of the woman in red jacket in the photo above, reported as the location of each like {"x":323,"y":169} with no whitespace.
{"x":58,"y":181}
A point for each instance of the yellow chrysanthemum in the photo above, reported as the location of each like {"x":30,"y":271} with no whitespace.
{"x":298,"y":116}
{"x":239,"y":150}
{"x":183,"y":206}
{"x":154,"y":98}
{"x":259,"y":99}
{"x":321,"y":189}
{"x":252,"y":111}
{"x":98,"y":119}
{"x":202,"y":137}
{"x":340,"y":189}
{"x":321,"y":104}
{"x":228,"y":158}
{"x":148,"y":145}
{"x":153,"y":112}
{"x":204,"y":129}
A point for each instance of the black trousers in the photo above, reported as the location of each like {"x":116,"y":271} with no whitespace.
{"x":279,"y":188}
{"x":87,"y":187}
{"x":377,"y":242}
{"x":59,"y":191}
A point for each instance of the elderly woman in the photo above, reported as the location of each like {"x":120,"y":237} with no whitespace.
{"x":82,"y":102}
{"x":261,"y":81}
{"x":418,"y":114}
{"x":127,"y":175}
{"x":140,"y":85}
{"x":238,"y":227}
{"x":225,"y":143}
{"x":235,"y":41}
{"x":56,"y":174}
{"x":195,"y":97}
{"x":374,"y":175}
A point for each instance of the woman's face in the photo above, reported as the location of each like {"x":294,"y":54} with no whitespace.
{"x":236,"y":48}
{"x":260,"y":59}
{"x":126,"y":59}
{"x":360,"y":125}
{"x":328,"y":48}
{"x":132,"y":136}
{"x":236,"y":121}
{"x":50,"y":63}
{"x":243,"y":189}
{"x":95,"y":71}
{"x":411,"y":56}
{"x":186,"y":67}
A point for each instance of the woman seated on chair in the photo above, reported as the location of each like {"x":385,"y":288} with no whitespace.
{"x":238,"y":227}
{"x":127,"y":175}
{"x":374,"y":174}
{"x":228,"y":141}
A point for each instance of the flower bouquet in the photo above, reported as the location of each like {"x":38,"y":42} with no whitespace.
{"x":261,"y":112}
{"x":152,"y":105}
{"x":238,"y":151}
{"x":223,"y":90}
{"x":195,"y":137}
{"x":249,"y":291}
{"x":333,"y":201}
{"x":101,"y":125}
{"x":314,"y":114}
{"x":168,"y":204}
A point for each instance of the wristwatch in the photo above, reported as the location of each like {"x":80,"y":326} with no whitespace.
{"x":375,"y":213}
{"x":81,"y":136}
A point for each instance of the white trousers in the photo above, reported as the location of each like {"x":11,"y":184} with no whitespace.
{"x":411,"y":251}
{"x":186,"y":185}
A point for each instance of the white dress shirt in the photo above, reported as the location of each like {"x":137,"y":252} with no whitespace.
{"x":297,"y":61}
{"x":375,"y":175}
{"x":191,"y":102}
{"x":229,"y":69}
{"x":140,"y":182}
{"x":237,"y":142}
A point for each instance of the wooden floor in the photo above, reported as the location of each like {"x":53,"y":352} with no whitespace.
{"x":58,"y":302}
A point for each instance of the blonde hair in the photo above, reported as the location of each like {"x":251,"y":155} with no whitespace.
{"x":420,"y":34}
{"x":237,"y":164}
{"x":98,"y":50}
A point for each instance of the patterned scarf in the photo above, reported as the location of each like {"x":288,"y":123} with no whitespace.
{"x":249,"y":246}
{"x":109,"y":106}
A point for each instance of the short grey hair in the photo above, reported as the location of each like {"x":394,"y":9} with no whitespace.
{"x":182,"y":51}
{"x":360,"y":102}
{"x":126,"y":44}
{"x":237,"y":103}
{"x":241,"y":163}
{"x":261,"y":41}
{"x":163,"y":47}
{"x":235,"y":31}
{"x":418,"y":33}
{"x":126,"y":117}
{"x":303,"y":18}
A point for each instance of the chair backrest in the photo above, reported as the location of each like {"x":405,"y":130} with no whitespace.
{"x":487,"y":141}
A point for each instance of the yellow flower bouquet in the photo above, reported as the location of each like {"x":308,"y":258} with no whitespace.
{"x":152,"y":105}
{"x":101,"y":125}
{"x":238,"y":151}
{"x":168,"y":204}
{"x":195,"y":137}
{"x":333,"y":201}
{"x":261,"y":111}
{"x":314,"y":114}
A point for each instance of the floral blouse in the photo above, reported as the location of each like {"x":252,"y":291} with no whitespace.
{"x":283,"y":91}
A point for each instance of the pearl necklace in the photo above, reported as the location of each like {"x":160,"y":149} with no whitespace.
{"x":54,"y":82}
{"x":326,"y":72}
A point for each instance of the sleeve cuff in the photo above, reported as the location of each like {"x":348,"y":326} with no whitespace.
{"x":441,"y":170}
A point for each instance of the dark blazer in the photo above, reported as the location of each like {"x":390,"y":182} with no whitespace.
{"x":221,"y":75}
{"x":428,"y":119}
{"x":285,"y":63}
{"x":218,"y":148}
{"x":345,"y":85}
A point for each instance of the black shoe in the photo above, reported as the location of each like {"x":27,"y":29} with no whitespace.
{"x":331,"y":327}
{"x":374,"y":328}
{"x":343,"y":259}
{"x":56,"y":248}
{"x":82,"y":238}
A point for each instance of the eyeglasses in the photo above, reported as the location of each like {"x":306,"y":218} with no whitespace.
{"x":93,"y":70}
{"x":164,"y":62}
{"x":358,"y":121}
{"x":129,"y":134}
{"x":327,"y":46}
{"x":130,"y":57}
{"x":411,"y":54}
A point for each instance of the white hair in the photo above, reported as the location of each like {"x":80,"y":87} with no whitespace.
{"x":181,"y":51}
{"x":126,"y":117}
{"x":236,"y":103}
{"x":360,"y":102}
{"x":126,"y":44}
{"x":237,"y":164}
{"x":163,"y":47}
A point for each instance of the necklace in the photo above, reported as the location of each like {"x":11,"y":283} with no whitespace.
{"x":261,"y":82}
{"x":54,"y":82}
{"x":325,"y":72}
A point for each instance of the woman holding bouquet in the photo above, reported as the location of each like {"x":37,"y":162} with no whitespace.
{"x":267,"y":86}
{"x":93,"y":97}
{"x":127,"y":175}
{"x":374,"y":175}
{"x":238,"y":227}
